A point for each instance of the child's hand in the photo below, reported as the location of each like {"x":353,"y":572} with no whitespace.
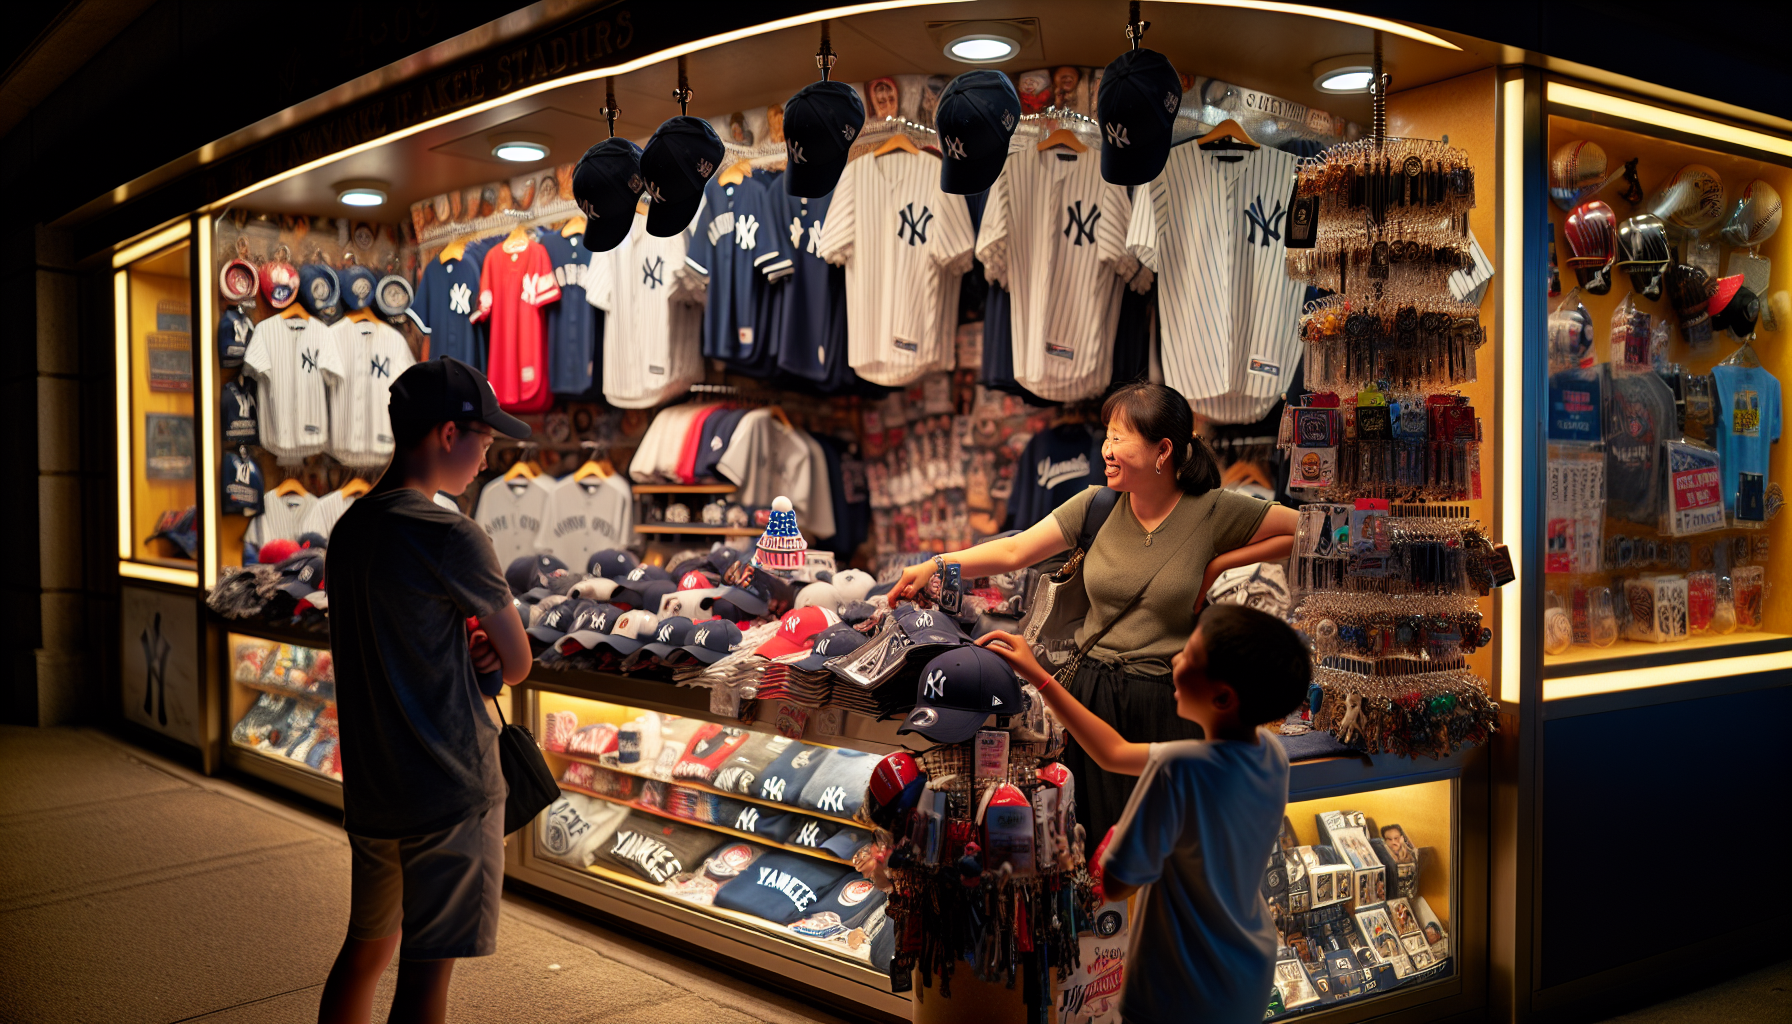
{"x":479,"y":645}
{"x":1017,"y":652}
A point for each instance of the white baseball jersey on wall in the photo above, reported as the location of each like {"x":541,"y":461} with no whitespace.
{"x":766,"y":459}
{"x":583,"y":517}
{"x":657,"y":454}
{"x":899,"y":237}
{"x":511,"y":513}
{"x":323,"y":515}
{"x":369,"y":356}
{"x":1211,"y":227}
{"x":653,"y":323}
{"x":282,"y":518}
{"x":289,"y":356}
{"x":1054,"y":235}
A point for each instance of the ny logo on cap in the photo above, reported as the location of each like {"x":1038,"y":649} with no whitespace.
{"x":636,"y":184}
{"x":242,"y":471}
{"x":653,"y":191}
{"x":935,"y":687}
{"x":1117,"y":136}
{"x":954,"y":147}
{"x":924,"y":619}
{"x":701,"y":638}
{"x":850,"y":131}
{"x":1170,"y":101}
{"x":794,"y":152}
{"x":665,"y":633}
{"x":748,"y":820}
{"x":1083,"y":227}
{"x":704,"y":167}
{"x":1007,"y":120}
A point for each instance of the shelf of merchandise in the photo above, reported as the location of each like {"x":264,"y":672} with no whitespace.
{"x":284,"y":772}
{"x":286,"y":634}
{"x":286,"y":691}
{"x":685,"y":488}
{"x":695,"y":784}
{"x":1333,"y":776}
{"x":700,"y":531}
{"x":706,"y":826}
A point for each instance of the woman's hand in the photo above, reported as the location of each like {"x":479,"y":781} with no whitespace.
{"x":914,"y":579}
{"x":1017,"y":652}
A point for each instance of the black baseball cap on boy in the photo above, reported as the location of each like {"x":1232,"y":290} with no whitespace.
{"x":977,"y":115}
{"x":1140,"y":95}
{"x":820,"y":124}
{"x":447,"y":389}
{"x":679,"y":160}
{"x":605,"y":185}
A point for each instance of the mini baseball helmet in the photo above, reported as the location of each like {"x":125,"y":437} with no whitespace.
{"x":320,"y":290}
{"x":279,"y":280}
{"x":1754,"y":217}
{"x":238,"y":280}
{"x":358,"y":284}
{"x":1592,"y":235}
{"x":1690,"y":200}
{"x":393,"y":296}
{"x":1573,"y":168}
{"x":1643,"y":252}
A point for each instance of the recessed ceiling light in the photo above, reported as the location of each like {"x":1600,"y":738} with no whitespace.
{"x":520,"y":147}
{"x":982,"y":48}
{"x":1352,"y":73}
{"x":361,"y":193}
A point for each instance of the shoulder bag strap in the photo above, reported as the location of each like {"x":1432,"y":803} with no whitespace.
{"x":1095,"y":516}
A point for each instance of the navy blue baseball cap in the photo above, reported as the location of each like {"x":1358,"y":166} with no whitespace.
{"x":977,"y":115}
{"x":611,"y":563}
{"x":319,"y":288}
{"x":820,"y":124}
{"x":531,"y":571}
{"x":679,"y":160}
{"x":671,"y":634}
{"x":558,"y":621}
{"x":1140,"y":95}
{"x":358,"y":284}
{"x":929,"y":627}
{"x":957,"y":693}
{"x":831,"y":642}
{"x":634,"y":586}
{"x":605,"y":185}
{"x":712,"y":640}
{"x":302,"y":574}
{"x":447,"y":389}
{"x":233,"y":337}
{"x":313,"y":539}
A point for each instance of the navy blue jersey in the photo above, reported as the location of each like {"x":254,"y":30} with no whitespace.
{"x":813,"y":343}
{"x":718,"y":430}
{"x":474,"y":258}
{"x":732,"y":237}
{"x":1057,"y":465}
{"x":1132,"y":336}
{"x":445,"y":298}
{"x":998,"y":338}
{"x":574,"y":325}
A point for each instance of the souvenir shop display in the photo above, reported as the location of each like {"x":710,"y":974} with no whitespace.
{"x":284,"y":702}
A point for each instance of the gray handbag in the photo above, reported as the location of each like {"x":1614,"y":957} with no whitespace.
{"x":1057,"y":603}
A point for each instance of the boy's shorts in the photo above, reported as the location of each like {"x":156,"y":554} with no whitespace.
{"x":442,"y":889}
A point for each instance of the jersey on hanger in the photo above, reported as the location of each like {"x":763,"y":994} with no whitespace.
{"x":445,"y":299}
{"x":282,"y":518}
{"x":511,"y":513}
{"x":1054,"y":235}
{"x":518,"y":280}
{"x":583,"y":517}
{"x":652,"y":320}
{"x":1211,"y":227}
{"x":289,"y":356}
{"x":899,"y":238}
{"x":322,"y":517}
{"x":809,"y":291}
{"x":369,"y":356}
{"x":731,"y":240}
{"x":572,"y":322}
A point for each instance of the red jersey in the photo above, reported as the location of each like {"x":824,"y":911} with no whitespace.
{"x":515,"y":283}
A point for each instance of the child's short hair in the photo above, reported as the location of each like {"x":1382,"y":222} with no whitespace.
{"x":1258,"y":655}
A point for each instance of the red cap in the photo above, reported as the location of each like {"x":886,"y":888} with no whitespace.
{"x":1054,"y":774}
{"x":276,"y":551}
{"x":895,"y":786}
{"x":798,"y":631}
{"x":1727,"y":287}
{"x":696,"y":580}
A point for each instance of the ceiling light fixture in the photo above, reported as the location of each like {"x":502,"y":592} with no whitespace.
{"x":361,"y":193}
{"x":982,"y":49}
{"x":1351,"y":73}
{"x":520,"y":147}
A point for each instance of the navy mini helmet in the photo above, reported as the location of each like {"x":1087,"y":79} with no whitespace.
{"x":606,"y":185}
{"x":1140,"y":95}
{"x":977,"y":115}
{"x":679,"y":160}
{"x":821,"y":122}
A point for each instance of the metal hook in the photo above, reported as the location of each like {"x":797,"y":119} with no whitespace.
{"x":825,"y":57}
{"x":683,"y":93}
{"x":1135,"y":29}
{"x":610,"y":110}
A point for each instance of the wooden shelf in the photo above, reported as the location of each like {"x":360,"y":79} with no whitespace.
{"x":696,"y":784}
{"x":723,"y":829}
{"x":295,"y":693}
{"x":702,"y":531}
{"x":684,"y":488}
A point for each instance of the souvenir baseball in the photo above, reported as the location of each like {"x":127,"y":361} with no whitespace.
{"x":1691,"y":199}
{"x":1591,"y":231}
{"x":1643,"y":252}
{"x":1754,"y":217}
{"x":1575,"y":169}
{"x":238,"y":280}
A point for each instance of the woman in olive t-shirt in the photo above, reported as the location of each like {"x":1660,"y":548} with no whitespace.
{"x":1173,"y":520}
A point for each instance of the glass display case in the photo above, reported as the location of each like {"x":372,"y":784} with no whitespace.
{"x":158,"y":461}
{"x":282,"y":707}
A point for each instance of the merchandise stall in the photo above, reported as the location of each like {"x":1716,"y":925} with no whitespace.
{"x":666,"y":425}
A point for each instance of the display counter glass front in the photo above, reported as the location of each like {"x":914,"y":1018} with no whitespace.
{"x":157,"y":464}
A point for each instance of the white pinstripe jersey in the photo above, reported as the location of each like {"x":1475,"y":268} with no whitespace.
{"x":323,"y":515}
{"x":652,"y":325}
{"x":1054,"y":235}
{"x":903,"y":242}
{"x":511,"y":512}
{"x":583,"y":517}
{"x":1212,"y":231}
{"x":369,"y":355}
{"x":282,"y":517}
{"x":289,"y":358}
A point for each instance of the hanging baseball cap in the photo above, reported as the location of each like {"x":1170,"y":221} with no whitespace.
{"x":797,"y":633}
{"x":1136,"y":107}
{"x":319,"y":288}
{"x":821,"y":123}
{"x":679,"y":160}
{"x":977,"y":116}
{"x":1734,"y":308}
{"x":233,"y":337}
{"x":606,"y":185}
{"x":358,"y":286}
{"x":611,"y":563}
{"x":447,"y":389}
{"x":958,"y":692}
{"x":242,"y":485}
{"x":531,"y":571}
{"x":712,"y":640}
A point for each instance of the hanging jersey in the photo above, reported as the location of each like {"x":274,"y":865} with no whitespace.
{"x":322,"y":517}
{"x":572,"y":322}
{"x":518,"y":280}
{"x":445,"y":299}
{"x":1211,"y":227}
{"x":732,"y":240}
{"x":511,"y":513}
{"x":652,"y":319}
{"x":810,"y":292}
{"x":898,"y":236}
{"x":289,"y":357}
{"x":282,"y":518}
{"x":582,"y":517}
{"x":370,"y":354}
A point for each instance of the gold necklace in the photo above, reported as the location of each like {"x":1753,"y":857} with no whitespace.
{"x":1149,"y":534}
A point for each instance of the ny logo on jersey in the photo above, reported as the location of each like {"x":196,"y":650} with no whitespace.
{"x":380,"y":367}
{"x":460,"y":299}
{"x":793,"y":153}
{"x":308,"y":360}
{"x":954,"y":147}
{"x":772,"y":790}
{"x":653,"y":274}
{"x":534,"y":286}
{"x":748,"y":821}
{"x":1255,"y":218}
{"x":913,"y":228}
{"x":1117,"y":136}
{"x":242,"y":471}
{"x":796,"y":233}
{"x":241,"y":329}
{"x":1082,"y":226}
{"x":935,"y":687}
{"x":746,"y":231}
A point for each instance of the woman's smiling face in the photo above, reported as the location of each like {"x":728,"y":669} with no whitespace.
{"x":1127,"y":458}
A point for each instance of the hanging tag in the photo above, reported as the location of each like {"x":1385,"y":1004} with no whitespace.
{"x":992,"y":756}
{"x":1500,"y":565}
{"x":1303,"y":220}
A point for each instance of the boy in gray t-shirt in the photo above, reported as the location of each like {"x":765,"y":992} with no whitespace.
{"x":1202,"y":820}
{"x":422,"y":792}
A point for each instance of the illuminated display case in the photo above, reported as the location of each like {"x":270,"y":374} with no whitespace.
{"x":281,"y":714}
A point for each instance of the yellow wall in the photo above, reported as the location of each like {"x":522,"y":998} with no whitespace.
{"x":1426,"y":814}
{"x":152,"y":280}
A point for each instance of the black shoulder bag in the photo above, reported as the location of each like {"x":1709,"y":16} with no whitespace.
{"x":532,"y":785}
